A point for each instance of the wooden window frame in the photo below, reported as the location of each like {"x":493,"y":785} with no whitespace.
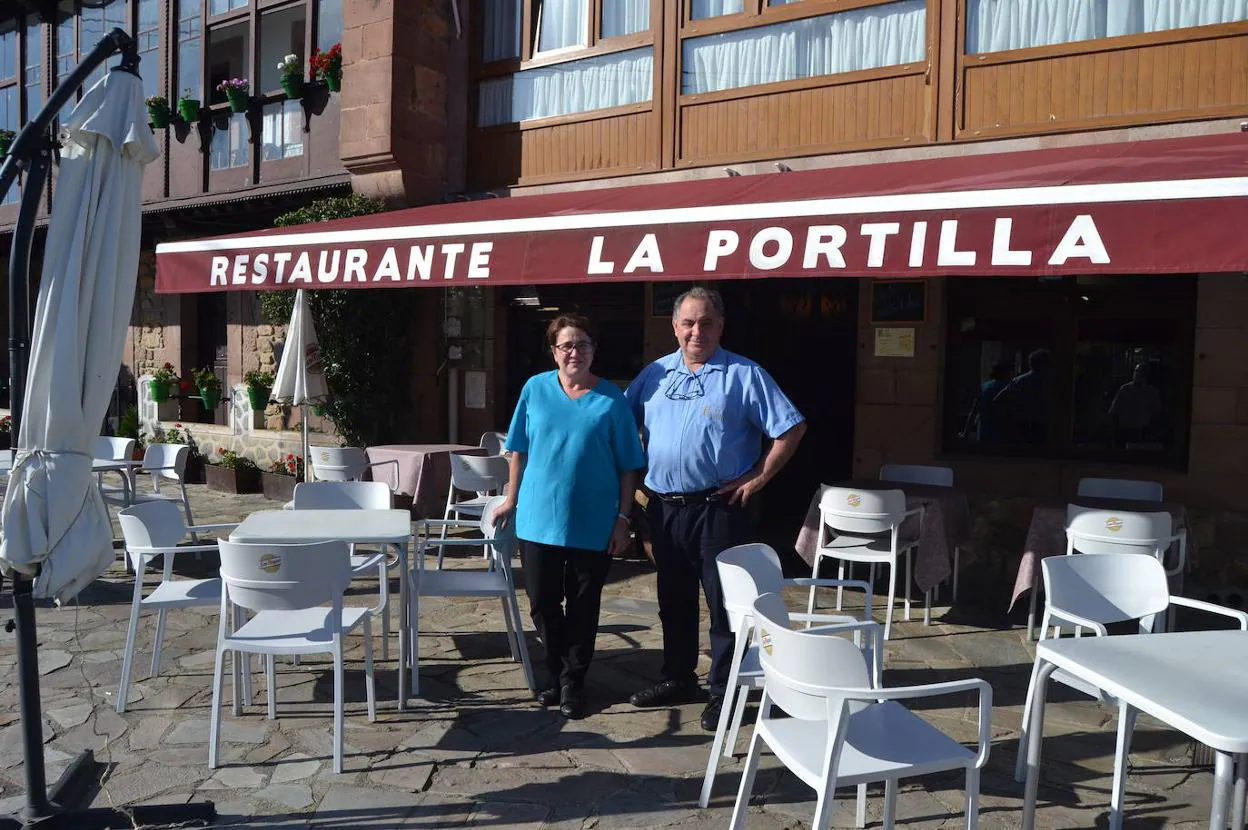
{"x":596,"y":46}
{"x":761,"y":13}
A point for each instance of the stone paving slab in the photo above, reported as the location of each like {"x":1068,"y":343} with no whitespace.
{"x":475,"y":751}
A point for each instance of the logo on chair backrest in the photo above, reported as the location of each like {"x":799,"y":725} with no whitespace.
{"x":271,"y":563}
{"x":1113,"y":524}
{"x":764,"y":640}
{"x":853,"y":500}
{"x":324,"y":455}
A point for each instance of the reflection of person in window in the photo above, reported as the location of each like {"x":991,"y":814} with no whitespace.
{"x":983,"y":414}
{"x":1135,"y":409}
{"x":1024,"y":403}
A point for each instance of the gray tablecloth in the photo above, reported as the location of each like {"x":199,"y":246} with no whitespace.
{"x":424,"y":472}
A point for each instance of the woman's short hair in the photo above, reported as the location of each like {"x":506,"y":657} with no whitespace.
{"x":570,"y":321}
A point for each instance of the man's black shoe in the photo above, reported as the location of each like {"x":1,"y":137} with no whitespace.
{"x":666,"y":693}
{"x":548,"y":697}
{"x":710,"y":715}
{"x":571,"y":703}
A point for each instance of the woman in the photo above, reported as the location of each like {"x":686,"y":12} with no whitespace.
{"x":574,"y":460}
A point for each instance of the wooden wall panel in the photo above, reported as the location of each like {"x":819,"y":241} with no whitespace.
{"x":1141,"y":84}
{"x":616,"y":144}
{"x":818,"y":119}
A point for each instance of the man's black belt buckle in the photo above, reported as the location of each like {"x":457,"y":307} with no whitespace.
{"x":703,"y":497}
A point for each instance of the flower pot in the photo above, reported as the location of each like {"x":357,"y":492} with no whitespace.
{"x":238,"y":99}
{"x":159,"y":116}
{"x":211,"y":397}
{"x":5,"y":143}
{"x":232,"y":480}
{"x":194,"y":472}
{"x":258,"y":396}
{"x":188,"y":108}
{"x":277,"y":486}
{"x":292,"y":85}
{"x":159,"y":390}
{"x":333,"y":79}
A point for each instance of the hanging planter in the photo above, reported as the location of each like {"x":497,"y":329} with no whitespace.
{"x":188,"y":108}
{"x":327,"y":66}
{"x":333,"y":80}
{"x":292,"y":76}
{"x":235,"y":91}
{"x":293,"y":87}
{"x":210,"y":397}
{"x":159,"y":390}
{"x":158,"y":111}
{"x":209,"y":386}
{"x":259,"y":385}
{"x":6,"y":141}
{"x":238,"y":100}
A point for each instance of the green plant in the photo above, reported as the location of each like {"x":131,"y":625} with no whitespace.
{"x":128,"y":423}
{"x":188,"y":95}
{"x":6,"y":425}
{"x":291,"y":465}
{"x":367,"y":405}
{"x":170,"y":435}
{"x":157,"y":102}
{"x":165,"y":374}
{"x":289,"y":67}
{"x":206,"y":378}
{"x":322,"y":64}
{"x":256,"y":379}
{"x":231,"y":460}
{"x":235,"y":85}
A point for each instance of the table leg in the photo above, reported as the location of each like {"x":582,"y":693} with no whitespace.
{"x":1222,"y":764}
{"x":1241,"y":791}
{"x":1126,"y":722}
{"x":1035,"y":733}
{"x":403,"y":629}
{"x":1031,"y":603}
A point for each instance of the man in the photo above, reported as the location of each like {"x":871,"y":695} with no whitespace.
{"x":703,"y":412}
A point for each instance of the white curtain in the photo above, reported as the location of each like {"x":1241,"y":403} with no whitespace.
{"x":848,"y":41}
{"x":282,"y":131}
{"x":576,"y":86}
{"x":716,"y":8}
{"x":501,"y":30}
{"x":562,"y":23}
{"x":624,"y":17}
{"x":997,"y":25}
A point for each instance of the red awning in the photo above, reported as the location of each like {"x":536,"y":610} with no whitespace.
{"x":1162,"y":206}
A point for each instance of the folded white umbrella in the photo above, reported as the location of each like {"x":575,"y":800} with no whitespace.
{"x":301,"y":375}
{"x":54,"y":523}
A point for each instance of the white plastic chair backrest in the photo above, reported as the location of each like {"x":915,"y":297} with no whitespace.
{"x":1121,"y":488}
{"x":172,"y":457}
{"x":746,"y":572}
{"x":153,"y":524}
{"x":338,"y":463}
{"x":479,"y":473}
{"x":856,"y":511}
{"x":284,"y":577}
{"x":493,"y":442}
{"x":116,"y":449}
{"x":797,"y":665}
{"x":502,"y":541}
{"x":1106,"y":587}
{"x":342,"y":495}
{"x":917,"y":474}
{"x":1112,"y":531}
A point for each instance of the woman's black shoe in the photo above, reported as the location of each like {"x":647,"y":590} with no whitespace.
{"x":548,"y":697}
{"x":571,"y":703}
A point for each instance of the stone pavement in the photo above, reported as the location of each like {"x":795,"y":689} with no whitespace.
{"x":475,"y":750}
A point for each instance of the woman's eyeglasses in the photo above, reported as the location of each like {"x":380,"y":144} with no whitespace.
{"x":690,"y":387}
{"x":581,"y":346}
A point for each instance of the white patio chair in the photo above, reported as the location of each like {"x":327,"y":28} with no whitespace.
{"x":935,"y":476}
{"x":841,"y":729}
{"x":485,"y":476}
{"x":865,"y":526}
{"x":347,"y":464}
{"x":288,"y":587}
{"x":1120,"y":488}
{"x":162,"y":463}
{"x":496,"y":581}
{"x":493,"y":442}
{"x":152,"y":531}
{"x":746,"y":572}
{"x":356,"y":495}
{"x":111,"y":448}
{"x":1095,"y":590}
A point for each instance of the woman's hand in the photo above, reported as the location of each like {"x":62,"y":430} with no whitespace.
{"x":502,"y":515}
{"x":621,"y":537}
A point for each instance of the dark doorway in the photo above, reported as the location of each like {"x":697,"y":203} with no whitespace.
{"x":804,"y":332}
{"x":204,"y":345}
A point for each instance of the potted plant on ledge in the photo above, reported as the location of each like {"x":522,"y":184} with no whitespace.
{"x":235,"y":90}
{"x":259,"y":385}
{"x":6,"y":141}
{"x":279,"y":481}
{"x":232,"y":473}
{"x":188,"y":106}
{"x":158,"y":111}
{"x":292,"y":76}
{"x":327,"y":66}
{"x":209,"y":386}
{"x":161,"y":384}
{"x":6,"y":432}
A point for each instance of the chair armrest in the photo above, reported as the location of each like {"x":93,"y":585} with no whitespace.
{"x":1075,"y":619}
{"x":1201,"y":605}
{"x":1181,"y":538}
{"x":938,"y":689}
{"x":177,"y":549}
{"x":914,"y":511}
{"x":202,"y":528}
{"x":445,"y":523}
{"x":806,"y":581}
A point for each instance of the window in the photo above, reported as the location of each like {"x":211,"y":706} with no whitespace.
{"x":849,"y":41}
{"x":281,"y":34}
{"x":282,"y":131}
{"x":625,"y":17}
{"x":10,"y":87}
{"x":715,"y":8}
{"x":190,"y":41}
{"x":33,"y":90}
{"x":1094,"y":368}
{"x":66,"y":49}
{"x":329,"y":23}
{"x":94,"y":24}
{"x":229,"y":56}
{"x":223,"y":6}
{"x":611,"y":80}
{"x":557,"y":25}
{"x":501,"y":31}
{"x":562,"y":24}
{"x":997,"y":25}
{"x":147,"y":38}
{"x":229,"y":141}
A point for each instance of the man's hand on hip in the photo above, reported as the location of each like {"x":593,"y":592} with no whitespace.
{"x":740,"y":490}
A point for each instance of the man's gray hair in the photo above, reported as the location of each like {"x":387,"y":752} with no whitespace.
{"x":709,"y":295}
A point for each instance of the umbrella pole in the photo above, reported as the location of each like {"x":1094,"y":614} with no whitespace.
{"x":307,"y":462}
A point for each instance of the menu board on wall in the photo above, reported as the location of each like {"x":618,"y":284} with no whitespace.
{"x":900,"y":301}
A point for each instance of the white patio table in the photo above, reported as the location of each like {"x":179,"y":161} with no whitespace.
{"x":376,"y":527}
{"x":1193,"y":681}
{"x":119,"y":465}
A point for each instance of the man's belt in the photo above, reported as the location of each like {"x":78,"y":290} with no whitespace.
{"x":710,"y":496}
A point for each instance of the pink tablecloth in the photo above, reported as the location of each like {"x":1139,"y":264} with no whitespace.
{"x":424,"y":472}
{"x":1046,"y":535}
{"x":946,"y":525}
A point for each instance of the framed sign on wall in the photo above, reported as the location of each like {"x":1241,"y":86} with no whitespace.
{"x":899,"y":301}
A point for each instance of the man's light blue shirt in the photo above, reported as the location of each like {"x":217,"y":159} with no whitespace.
{"x":576,"y":451}
{"x":705,"y":429}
